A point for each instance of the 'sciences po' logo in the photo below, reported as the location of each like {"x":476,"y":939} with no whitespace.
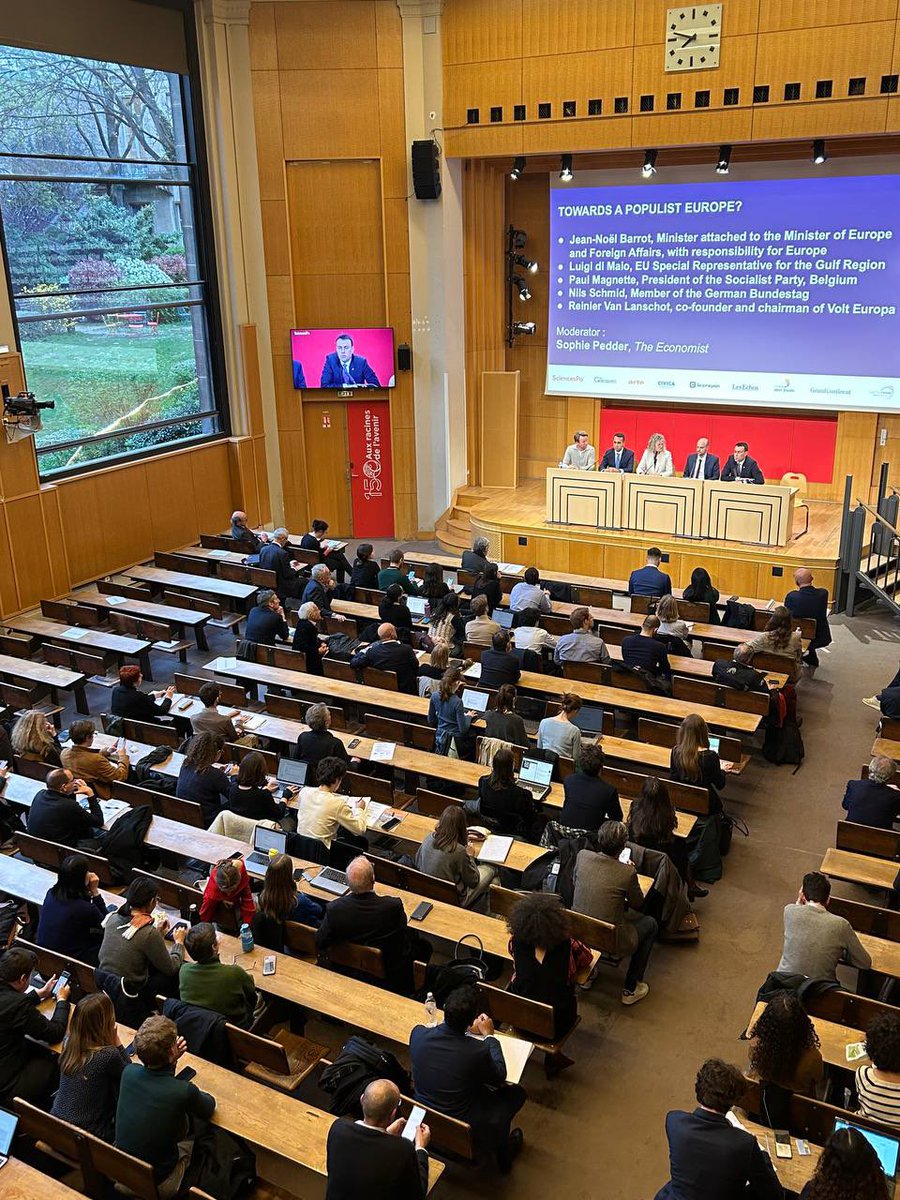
{"x":372,"y":489}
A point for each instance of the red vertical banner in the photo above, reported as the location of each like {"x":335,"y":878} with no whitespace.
{"x":371,"y":474}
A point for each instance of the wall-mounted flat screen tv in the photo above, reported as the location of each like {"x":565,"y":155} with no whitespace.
{"x":338,"y":359}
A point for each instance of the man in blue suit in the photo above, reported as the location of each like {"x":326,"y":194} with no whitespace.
{"x":741,"y":467}
{"x":650,"y":580}
{"x":874,"y":801}
{"x":618,"y":458}
{"x":299,"y":377}
{"x":702,"y":465}
{"x":344,"y":369}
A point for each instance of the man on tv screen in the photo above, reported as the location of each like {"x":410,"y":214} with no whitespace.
{"x":299,"y":377}
{"x":344,"y":369}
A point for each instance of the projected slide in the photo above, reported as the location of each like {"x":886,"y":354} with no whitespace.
{"x":764,"y":291}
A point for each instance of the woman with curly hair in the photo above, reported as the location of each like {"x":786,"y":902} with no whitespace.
{"x":779,"y":637}
{"x":878,"y":1084}
{"x":784,"y":1055}
{"x":541,"y":945}
{"x":849,"y":1169}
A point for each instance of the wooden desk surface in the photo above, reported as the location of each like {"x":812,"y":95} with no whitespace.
{"x":39,"y":672}
{"x":21,"y":1182}
{"x":886,"y":748}
{"x":794,"y":1172}
{"x":140,"y":608}
{"x":97,"y":639}
{"x":237,"y":557}
{"x":833,"y":1039}
{"x":859,"y":868}
{"x":885,"y":954}
{"x":194,"y":583}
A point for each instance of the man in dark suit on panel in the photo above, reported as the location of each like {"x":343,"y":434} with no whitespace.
{"x":370,"y":1157}
{"x":708,"y":1156}
{"x":344,"y":369}
{"x":618,"y":458}
{"x":299,"y":376}
{"x":809,"y":601}
{"x":702,"y":465}
{"x":389,"y":654}
{"x":741,"y":467}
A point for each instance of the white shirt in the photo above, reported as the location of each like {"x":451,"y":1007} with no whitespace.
{"x":662,"y":465}
{"x":533,"y":637}
{"x":698,"y":466}
{"x":320,"y":813}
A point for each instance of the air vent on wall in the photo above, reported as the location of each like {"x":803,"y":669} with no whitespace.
{"x":761,"y":94}
{"x":620,"y":104}
{"x":472,"y":116}
{"x":824,"y":89}
{"x":647,"y":103}
{"x":857,"y":86}
{"x":570,"y":108}
{"x":595,"y":108}
{"x":731,"y":96}
{"x":792,"y":91}
{"x":496,"y":114}
{"x":701,"y":99}
{"x":673,"y":101}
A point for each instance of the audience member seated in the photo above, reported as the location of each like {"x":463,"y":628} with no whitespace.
{"x":476,"y":560}
{"x":448,"y":624}
{"x":128,"y":701}
{"x":452,"y":722}
{"x":560,"y":734}
{"x":367,"y":919}
{"x":529,"y":593}
{"x":275,"y":556}
{"x":701,"y":591}
{"x":529,"y":634}
{"x":318,"y":742}
{"x":876,"y":800}
{"x":815,"y":940}
{"x":542,"y":948}
{"x":27,"y":1069}
{"x":878,"y":1082}
{"x":156,"y":1109}
{"x":364,"y":573}
{"x":646,"y":653}
{"x":589,"y":800}
{"x":671,"y":625}
{"x":333,"y":558}
{"x":450,"y":852}
{"x":250,"y":540}
{"x":73,"y":912}
{"x":487,"y":584}
{"x":433,"y":586}
{"x":99,"y":766}
{"x":499,"y":665}
{"x":227,"y":726}
{"x":320,"y":590}
{"x":649,"y":580}
{"x":848,"y":1169}
{"x":134,"y":948}
{"x":323,"y":812}
{"x":437,"y":663}
{"x":692,"y":761}
{"x":393,"y":610}
{"x":370,"y":1158}
{"x":227,"y":898}
{"x":510,"y":808}
{"x":265,"y":621}
{"x":207,"y":982}
{"x":582,"y":644}
{"x":396,"y":572}
{"x":90,"y":1068}
{"x":738,"y":673}
{"x":608,"y":889}
{"x":781,"y":639}
{"x":784,"y":1056}
{"x":389,"y":654}
{"x":502,"y":721}
{"x":708,"y":1156}
{"x":480,"y":629}
{"x":809,"y":601}
{"x":279,"y":901}
{"x":56,"y":815}
{"x":251,"y":793}
{"x":33,"y":737}
{"x":306,"y":638}
{"x":200,"y":780}
{"x":652,"y":821}
{"x":465,"y":1077}
{"x":887,"y":702}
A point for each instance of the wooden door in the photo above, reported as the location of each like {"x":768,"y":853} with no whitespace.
{"x":328,"y":465}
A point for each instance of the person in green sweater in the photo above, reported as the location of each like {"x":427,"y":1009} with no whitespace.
{"x":209,"y":983}
{"x":396,"y":573}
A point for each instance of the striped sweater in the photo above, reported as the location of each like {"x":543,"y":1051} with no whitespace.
{"x":878,"y":1099}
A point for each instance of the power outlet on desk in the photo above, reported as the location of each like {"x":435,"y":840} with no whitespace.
{"x":523,"y":541}
{"x":665,"y":558}
{"x":777,"y":572}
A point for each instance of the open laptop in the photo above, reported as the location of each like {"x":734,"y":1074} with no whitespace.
{"x":264,"y":840}
{"x":292,"y":771}
{"x":8,"y":1123}
{"x":886,"y":1147}
{"x":589,"y":720}
{"x":330,"y":879}
{"x":535,"y":775}
{"x":416,"y":605}
{"x":503,"y":617}
{"x":473,"y":699}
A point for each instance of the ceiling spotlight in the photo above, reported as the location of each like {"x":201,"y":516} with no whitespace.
{"x":520,"y":327}
{"x":724,"y":160}
{"x":517,"y":238}
{"x":518,"y":167}
{"x":565,"y":168}
{"x":528,"y":263}
{"x":819,"y":155}
{"x":649,"y":167}
{"x":522,"y":284}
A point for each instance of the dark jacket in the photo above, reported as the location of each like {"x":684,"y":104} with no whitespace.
{"x":249,"y":541}
{"x":499,"y":667}
{"x":871,"y":803}
{"x":306,"y":638}
{"x":257,"y":803}
{"x":210,"y":790}
{"x":589,"y":801}
{"x":137,"y":706}
{"x":646,"y":652}
{"x":710,"y":467}
{"x":811,"y":602}
{"x":711,"y":1160}
{"x":473,"y":563}
{"x":152,"y":1115}
{"x":264,"y":626}
{"x":315,"y":593}
{"x":72,"y":927}
{"x":363,"y":1161}
{"x":508,"y":727}
{"x":709,"y":596}
{"x":58,"y":817}
{"x":270,"y":933}
{"x":397,"y":615}
{"x":492,"y":592}
{"x":372,"y":920}
{"x":88,"y":1099}
{"x":313,"y":747}
{"x":365,"y":574}
{"x":547,"y":981}
{"x":512,"y":809}
{"x":749,"y":469}
{"x":392,"y":656}
{"x":626,"y":460}
{"x":19,"y":1015}
{"x":452,"y":1071}
{"x":649,"y":581}
{"x":273,"y":557}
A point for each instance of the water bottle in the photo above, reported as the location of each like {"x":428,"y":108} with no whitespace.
{"x":430,"y":1011}
{"x":246,"y":939}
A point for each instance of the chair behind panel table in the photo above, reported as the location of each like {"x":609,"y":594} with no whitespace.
{"x":846,"y":1008}
{"x":408,"y":879}
{"x":293,"y":709}
{"x":685,"y":796}
{"x":229,"y":693}
{"x":31,"y":769}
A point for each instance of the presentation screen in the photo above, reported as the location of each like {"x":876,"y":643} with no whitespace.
{"x":770,"y":291}
{"x":343,"y":358}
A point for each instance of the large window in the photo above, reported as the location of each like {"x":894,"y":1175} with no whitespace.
{"x":99,"y":214}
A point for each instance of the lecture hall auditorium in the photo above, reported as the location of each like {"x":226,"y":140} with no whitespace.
{"x":449,"y":596}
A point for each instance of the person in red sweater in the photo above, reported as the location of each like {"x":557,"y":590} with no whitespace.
{"x":228,"y":887}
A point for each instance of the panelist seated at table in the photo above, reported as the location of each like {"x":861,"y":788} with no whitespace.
{"x":656,"y":459}
{"x":579,"y":456}
{"x":702,"y":464}
{"x":619,"y":458}
{"x":740,"y":467}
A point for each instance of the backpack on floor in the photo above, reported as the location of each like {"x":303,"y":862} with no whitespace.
{"x":784,"y":744}
{"x":737,"y":615}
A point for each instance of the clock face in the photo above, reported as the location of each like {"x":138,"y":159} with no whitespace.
{"x":693,"y":34}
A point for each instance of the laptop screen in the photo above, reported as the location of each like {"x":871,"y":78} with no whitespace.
{"x":291,"y":770}
{"x":536,"y":771}
{"x":450,"y":578}
{"x":8,"y":1124}
{"x":265,"y":840}
{"x":476,"y":700}
{"x":589,"y":720}
{"x":416,"y":605}
{"x":886,"y":1147}
{"x":503,"y":617}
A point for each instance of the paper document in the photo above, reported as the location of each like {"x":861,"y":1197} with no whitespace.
{"x":74,"y":634}
{"x":734,"y":1120}
{"x":112,"y":810}
{"x":225,"y":664}
{"x":219,"y":553}
{"x":255,"y":721}
{"x":377,"y":814}
{"x":495,"y":849}
{"x":474,"y":672}
{"x":856,"y":1051}
{"x":169,"y":645}
{"x":116,"y":600}
{"x":510,"y":568}
{"x":164,"y":910}
{"x":516,"y":1052}
{"x":382,"y":751}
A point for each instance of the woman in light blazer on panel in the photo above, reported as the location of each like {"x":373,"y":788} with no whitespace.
{"x":656,"y":459}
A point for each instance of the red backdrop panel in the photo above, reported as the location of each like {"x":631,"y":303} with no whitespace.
{"x":778,"y":444}
{"x":371,"y":473}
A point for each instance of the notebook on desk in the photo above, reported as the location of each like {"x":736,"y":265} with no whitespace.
{"x":516,"y":1052}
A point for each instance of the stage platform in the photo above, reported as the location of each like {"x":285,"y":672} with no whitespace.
{"x":514,"y":521}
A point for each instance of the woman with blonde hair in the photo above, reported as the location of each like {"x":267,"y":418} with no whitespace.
{"x":670,"y":623}
{"x":33,"y":737}
{"x":449,"y":853}
{"x":692,"y":761}
{"x":656,"y":459}
{"x":90,"y":1068}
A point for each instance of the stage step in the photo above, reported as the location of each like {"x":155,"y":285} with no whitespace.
{"x":454,"y":530}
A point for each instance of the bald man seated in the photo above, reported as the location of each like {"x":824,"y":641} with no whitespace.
{"x":370,"y":1158}
{"x":389,"y":654}
{"x":250,"y":541}
{"x":810,"y":601}
{"x":364,"y":917}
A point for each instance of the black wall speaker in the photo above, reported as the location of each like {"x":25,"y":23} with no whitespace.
{"x":426,"y":169}
{"x":404,"y":357}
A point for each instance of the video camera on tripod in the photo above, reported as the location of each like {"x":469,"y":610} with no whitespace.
{"x":21,"y":413}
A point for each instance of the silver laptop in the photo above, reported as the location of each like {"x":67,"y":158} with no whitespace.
{"x":264,"y":840}
{"x":416,"y":605}
{"x":291,"y":771}
{"x":473,"y":699}
{"x":330,"y":879}
{"x":503,"y":617}
{"x":535,"y":775}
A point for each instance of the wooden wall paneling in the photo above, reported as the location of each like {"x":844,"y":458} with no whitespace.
{"x":737,"y":70}
{"x":55,"y":539}
{"x":889,"y":428}
{"x":481,"y":30}
{"x":242,"y":472}
{"x":555,"y":78}
{"x":388,"y":34}
{"x":293,"y":478}
{"x":106,"y":516}
{"x":287,"y":398}
{"x":9,"y":593}
{"x":820,"y":119}
{"x":327,"y":463}
{"x":318,"y":193}
{"x":263,"y":504}
{"x":18,"y":463}
{"x":482,"y":85}
{"x":552,"y":28}
{"x":276,"y":245}
{"x":475,"y":141}
{"x":314,"y":104}
{"x":854,"y":452}
{"x":740,"y":17}
{"x":212,"y":486}
{"x":499,"y":430}
{"x":31,"y":561}
{"x":395,"y":173}
{"x":679,"y":128}
{"x":252,"y":388}
{"x":171,"y":490}
{"x":269,"y":136}
{"x":553,"y":137}
{"x":312,"y":35}
{"x":280,"y":294}
{"x":798,"y":14}
{"x":860,"y":49}
{"x":263,"y":37}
